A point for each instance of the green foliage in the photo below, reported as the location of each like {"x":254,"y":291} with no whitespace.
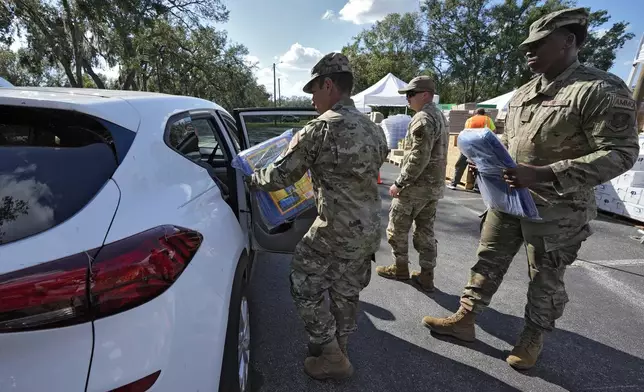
{"x":295,"y":102}
{"x":393,"y":45}
{"x":169,"y":46}
{"x":470,"y":47}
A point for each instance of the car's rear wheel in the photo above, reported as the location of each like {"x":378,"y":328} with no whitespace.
{"x":243,"y":345}
{"x":236,"y":361}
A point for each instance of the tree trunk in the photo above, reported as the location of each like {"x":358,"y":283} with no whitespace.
{"x":70,"y":74}
{"x":129,"y":80}
{"x":88,"y":68}
{"x":73,"y":32}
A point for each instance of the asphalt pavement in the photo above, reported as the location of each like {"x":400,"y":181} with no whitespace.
{"x":598,"y":344}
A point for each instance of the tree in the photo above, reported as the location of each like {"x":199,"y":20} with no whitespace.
{"x":168,"y":46}
{"x":478,"y":42}
{"x":469,"y":47}
{"x":393,"y":45}
{"x":599,"y":50}
{"x":296,"y":102}
{"x":6,"y":23}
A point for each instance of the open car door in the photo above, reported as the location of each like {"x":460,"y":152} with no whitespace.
{"x":255,"y":126}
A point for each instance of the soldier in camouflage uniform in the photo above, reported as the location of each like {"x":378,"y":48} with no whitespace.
{"x":570,"y":128}
{"x":344,"y":151}
{"x":419,"y":186}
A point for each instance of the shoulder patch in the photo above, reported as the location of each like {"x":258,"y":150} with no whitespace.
{"x":620,"y":121}
{"x":417,"y":127}
{"x":621,"y":102}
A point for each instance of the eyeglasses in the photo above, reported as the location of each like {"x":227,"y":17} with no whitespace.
{"x":410,"y":94}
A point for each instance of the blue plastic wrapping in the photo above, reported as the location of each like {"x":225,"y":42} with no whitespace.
{"x":279,"y":206}
{"x":490,"y":156}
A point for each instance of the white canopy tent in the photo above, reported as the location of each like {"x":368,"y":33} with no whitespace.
{"x":383,"y":93}
{"x":501,"y":101}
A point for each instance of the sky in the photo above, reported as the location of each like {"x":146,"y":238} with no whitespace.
{"x":296,"y":33}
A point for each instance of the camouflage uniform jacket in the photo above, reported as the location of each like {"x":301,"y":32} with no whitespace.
{"x":344,"y":151}
{"x":425,"y":160}
{"x":583,"y":125}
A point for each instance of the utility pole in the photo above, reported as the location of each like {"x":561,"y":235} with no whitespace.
{"x":274,"y":92}
{"x":279,"y":91}
{"x":638,"y":91}
{"x":638,"y":96}
{"x":640,"y":50}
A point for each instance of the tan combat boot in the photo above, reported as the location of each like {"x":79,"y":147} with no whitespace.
{"x":424,"y":278}
{"x":394,"y":271}
{"x":342,"y":342}
{"x":332,"y":363}
{"x":525,"y":353}
{"x":459,"y":325}
{"x":315,"y":350}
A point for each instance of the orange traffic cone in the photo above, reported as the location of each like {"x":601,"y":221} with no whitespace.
{"x":379,"y":180}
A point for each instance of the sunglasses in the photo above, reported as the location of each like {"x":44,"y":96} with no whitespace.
{"x":410,"y":94}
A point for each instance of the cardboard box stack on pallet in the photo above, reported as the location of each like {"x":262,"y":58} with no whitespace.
{"x":624,"y":195}
{"x":457,"y":117}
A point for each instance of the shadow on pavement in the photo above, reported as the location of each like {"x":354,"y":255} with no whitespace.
{"x":382,"y":361}
{"x":569,"y":360}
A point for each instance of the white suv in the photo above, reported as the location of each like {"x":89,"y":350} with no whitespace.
{"x":127,"y":240}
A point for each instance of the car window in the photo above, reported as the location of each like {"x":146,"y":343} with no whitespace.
{"x":195,"y":139}
{"x":52,"y":163}
{"x":263,"y":127}
{"x":231,"y":128}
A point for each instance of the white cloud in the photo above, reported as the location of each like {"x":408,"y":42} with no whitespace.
{"x":329,"y":15}
{"x":370,"y":11}
{"x":299,"y":57}
{"x":292,"y":68}
{"x":600,"y":32}
{"x":290,"y":82}
{"x":251,"y":60}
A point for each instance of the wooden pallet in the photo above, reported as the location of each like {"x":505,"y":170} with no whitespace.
{"x":395,"y":157}
{"x":621,"y":218}
{"x":397,"y":161}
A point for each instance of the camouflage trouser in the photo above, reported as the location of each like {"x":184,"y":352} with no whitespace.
{"x":312,"y":274}
{"x":422,"y":214}
{"x":501,"y":238}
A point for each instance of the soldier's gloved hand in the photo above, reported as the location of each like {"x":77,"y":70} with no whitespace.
{"x":248,"y":180}
{"x":472,"y":167}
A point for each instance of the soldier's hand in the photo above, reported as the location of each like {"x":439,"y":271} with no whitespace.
{"x":472,"y":167}
{"x":524,"y":176}
{"x":249,"y":181}
{"x":394,"y":191}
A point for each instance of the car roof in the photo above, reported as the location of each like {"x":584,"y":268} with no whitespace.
{"x":121,"y":107}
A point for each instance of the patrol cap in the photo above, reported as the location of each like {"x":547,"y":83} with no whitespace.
{"x":331,"y":63}
{"x":545,"y":25}
{"x":419,"y":84}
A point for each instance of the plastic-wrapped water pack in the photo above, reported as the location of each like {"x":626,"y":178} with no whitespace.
{"x":279,"y":206}
{"x":489,"y":155}
{"x":395,"y":128}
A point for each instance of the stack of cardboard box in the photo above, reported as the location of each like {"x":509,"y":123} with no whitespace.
{"x":457,"y":120}
{"x":624,"y":195}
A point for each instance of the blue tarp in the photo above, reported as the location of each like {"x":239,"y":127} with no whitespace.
{"x":486,"y":151}
{"x":283,"y":205}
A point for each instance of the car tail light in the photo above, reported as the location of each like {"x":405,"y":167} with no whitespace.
{"x":46,"y":295}
{"x":134,"y":270}
{"x":96,"y":283}
{"x":141,"y":385}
